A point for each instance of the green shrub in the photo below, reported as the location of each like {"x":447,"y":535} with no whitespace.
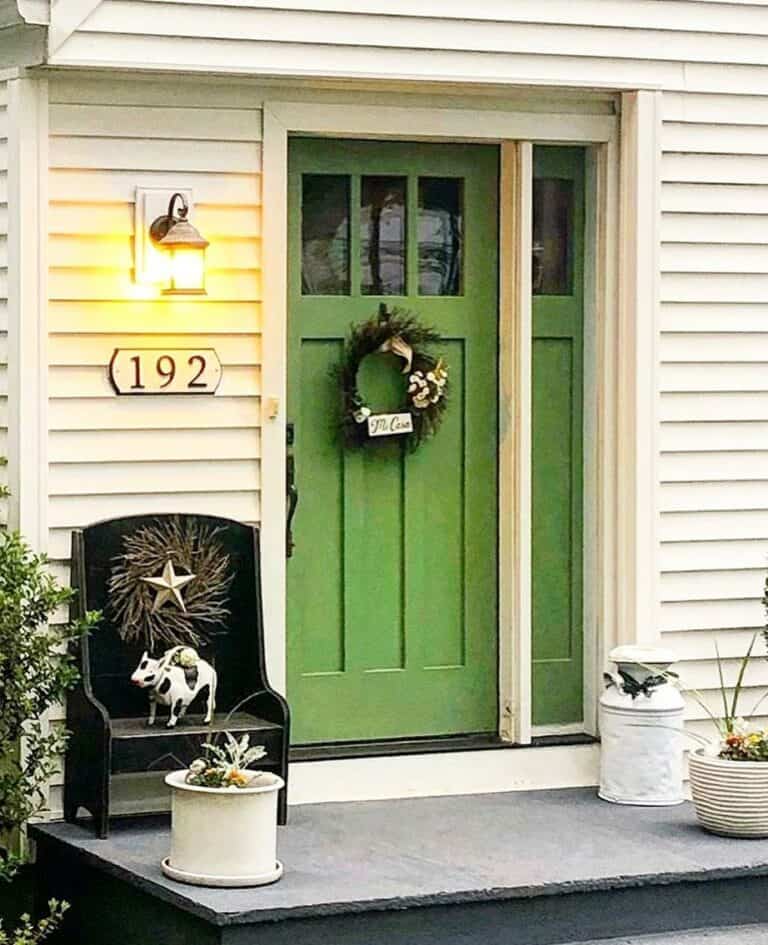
{"x":36,"y":670}
{"x":28,"y":932}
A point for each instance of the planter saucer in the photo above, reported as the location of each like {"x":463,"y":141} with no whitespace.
{"x":201,"y":879}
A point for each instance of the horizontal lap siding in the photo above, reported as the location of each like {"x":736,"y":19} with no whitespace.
{"x":676,"y":44}
{"x":710,"y":59}
{"x":113,"y":455}
{"x":713,"y":466}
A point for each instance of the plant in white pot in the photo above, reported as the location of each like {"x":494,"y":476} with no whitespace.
{"x":224,"y":818}
{"x":729,"y":774}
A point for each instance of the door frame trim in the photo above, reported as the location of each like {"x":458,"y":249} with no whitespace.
{"x":620,"y":558}
{"x":515,"y":352}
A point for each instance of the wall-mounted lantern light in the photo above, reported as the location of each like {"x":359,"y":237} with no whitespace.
{"x":174,"y":234}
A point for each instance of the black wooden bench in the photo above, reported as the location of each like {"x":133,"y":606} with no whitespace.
{"x":107,"y":716}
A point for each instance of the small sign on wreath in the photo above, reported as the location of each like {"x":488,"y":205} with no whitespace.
{"x":389,"y":424}
{"x":425,"y":385}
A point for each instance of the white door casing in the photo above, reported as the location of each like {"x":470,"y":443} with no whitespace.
{"x":620,"y":427}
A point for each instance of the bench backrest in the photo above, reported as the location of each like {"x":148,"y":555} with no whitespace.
{"x":236,"y":649}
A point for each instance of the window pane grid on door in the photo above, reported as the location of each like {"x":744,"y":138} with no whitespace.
{"x":405,"y":239}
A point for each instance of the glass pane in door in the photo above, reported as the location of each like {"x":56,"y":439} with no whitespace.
{"x":440,"y":235}
{"x":382,"y":235}
{"x":325,"y":234}
{"x":552,"y":216}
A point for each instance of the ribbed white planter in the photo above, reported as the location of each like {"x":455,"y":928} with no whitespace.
{"x":730,"y":797}
{"x":224,"y":836}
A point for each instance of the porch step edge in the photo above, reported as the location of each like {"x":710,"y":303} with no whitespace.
{"x":48,"y":840}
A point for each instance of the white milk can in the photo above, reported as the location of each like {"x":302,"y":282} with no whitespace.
{"x":641,"y":730}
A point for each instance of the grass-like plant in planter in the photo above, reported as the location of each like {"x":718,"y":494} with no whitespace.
{"x":729,"y":774}
{"x":36,"y":670}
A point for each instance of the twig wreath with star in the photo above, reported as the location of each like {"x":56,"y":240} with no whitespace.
{"x":170,"y":586}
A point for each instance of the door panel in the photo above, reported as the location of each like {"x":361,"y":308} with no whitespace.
{"x":557,"y":493}
{"x":392,"y":588}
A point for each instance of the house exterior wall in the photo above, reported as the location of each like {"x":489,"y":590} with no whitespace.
{"x":4,"y":186}
{"x":114,"y":455}
{"x":111,"y":455}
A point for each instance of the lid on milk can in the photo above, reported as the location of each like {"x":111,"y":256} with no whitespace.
{"x":656,"y":656}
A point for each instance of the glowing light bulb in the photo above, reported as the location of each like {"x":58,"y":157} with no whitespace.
{"x":187,"y":270}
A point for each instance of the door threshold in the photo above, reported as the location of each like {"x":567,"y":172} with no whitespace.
{"x":480,"y":741}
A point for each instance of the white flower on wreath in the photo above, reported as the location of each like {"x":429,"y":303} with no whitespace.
{"x":362,"y":414}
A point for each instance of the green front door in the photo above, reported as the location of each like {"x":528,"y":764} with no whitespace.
{"x":558,"y":291}
{"x":392,"y":587}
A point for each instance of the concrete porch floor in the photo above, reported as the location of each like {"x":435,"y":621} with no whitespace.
{"x":520,"y":869}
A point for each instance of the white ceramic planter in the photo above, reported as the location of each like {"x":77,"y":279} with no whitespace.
{"x":730,"y":797}
{"x":224,"y":836}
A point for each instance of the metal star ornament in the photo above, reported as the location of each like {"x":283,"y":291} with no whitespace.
{"x":169,"y":585}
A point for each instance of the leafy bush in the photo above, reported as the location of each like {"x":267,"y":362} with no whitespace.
{"x":29,"y":933}
{"x":36,"y":670}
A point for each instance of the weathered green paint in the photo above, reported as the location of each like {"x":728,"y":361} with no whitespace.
{"x":392,"y":590}
{"x":557,"y":498}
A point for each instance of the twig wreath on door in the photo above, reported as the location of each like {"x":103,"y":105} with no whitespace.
{"x":424,"y":391}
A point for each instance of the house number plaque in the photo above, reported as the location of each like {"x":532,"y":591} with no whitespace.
{"x":165,"y":371}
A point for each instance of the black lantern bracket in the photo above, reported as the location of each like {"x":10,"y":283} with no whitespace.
{"x":170,"y":230}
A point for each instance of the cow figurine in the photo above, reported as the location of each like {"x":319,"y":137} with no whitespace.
{"x":175,"y":680}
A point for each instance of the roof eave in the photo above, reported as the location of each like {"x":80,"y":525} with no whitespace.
{"x":22,"y":44}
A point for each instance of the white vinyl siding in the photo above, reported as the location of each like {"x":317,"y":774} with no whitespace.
{"x":708,"y":57}
{"x":111,"y":455}
{"x":713,"y":494}
{"x":114,"y":455}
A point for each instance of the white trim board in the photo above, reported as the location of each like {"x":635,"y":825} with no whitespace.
{"x":388,"y":778}
{"x":435,"y":775}
{"x":27,"y":308}
{"x":515,"y":328}
{"x":616,"y":444}
{"x":637,"y":435}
